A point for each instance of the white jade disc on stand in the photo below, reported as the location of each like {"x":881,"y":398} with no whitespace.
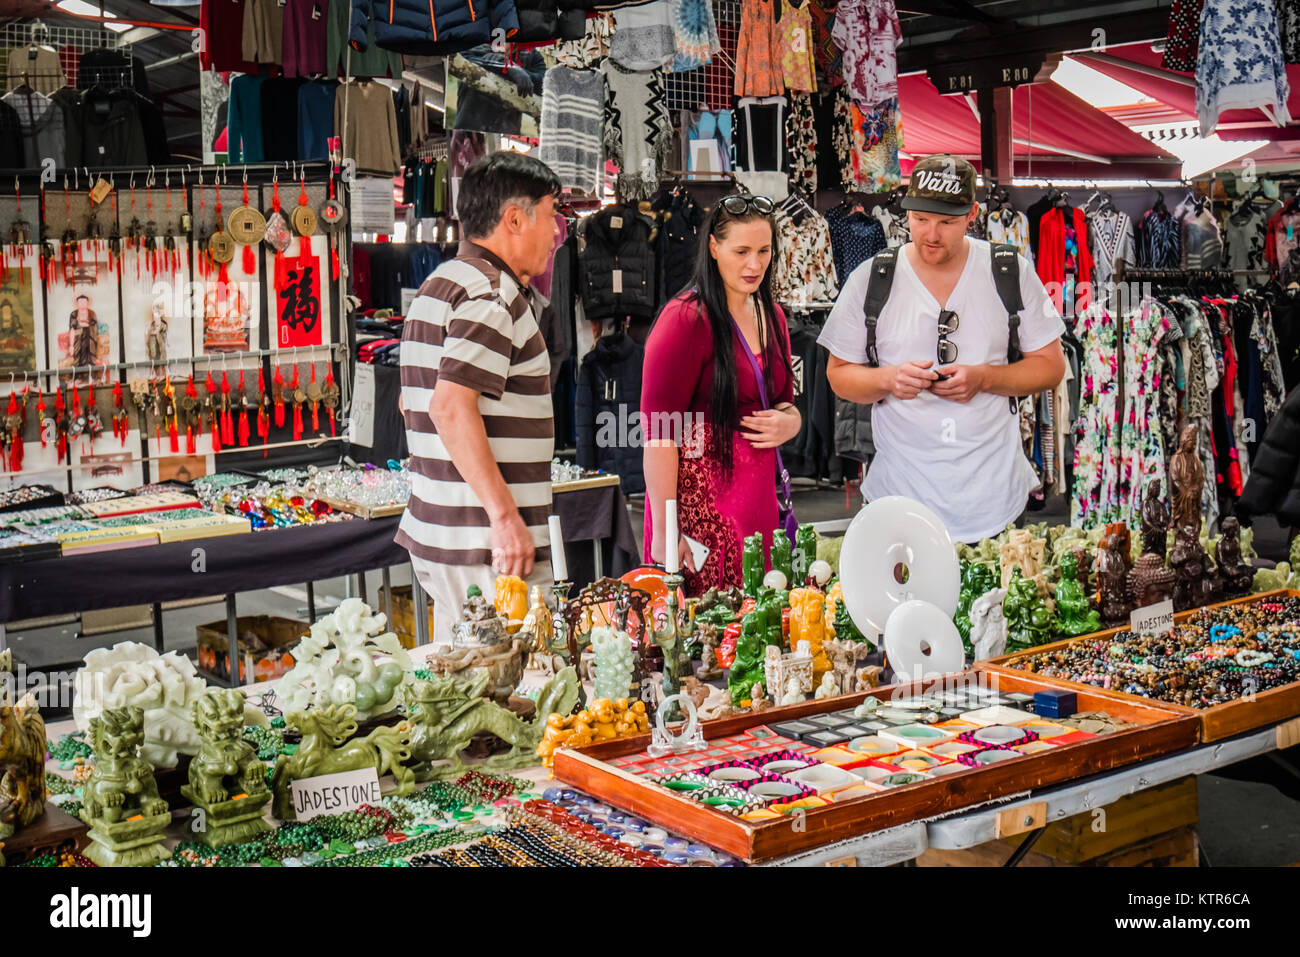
{"x":921,"y":641}
{"x":887,"y":536}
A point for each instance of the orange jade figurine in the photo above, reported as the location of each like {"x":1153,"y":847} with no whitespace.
{"x":601,"y":713}
{"x":511,"y":601}
{"x":808,"y":623}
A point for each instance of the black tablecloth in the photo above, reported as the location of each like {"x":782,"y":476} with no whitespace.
{"x":285,"y":556}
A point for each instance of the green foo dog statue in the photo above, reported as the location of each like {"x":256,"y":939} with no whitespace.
{"x":1073,"y":613}
{"x":976,"y":579}
{"x":781,"y":558}
{"x":120,"y":802}
{"x":227,"y":781}
{"x":446,"y":712}
{"x":747,"y":667}
{"x":325,"y":748}
{"x":805,"y":553}
{"x":1029,"y":620}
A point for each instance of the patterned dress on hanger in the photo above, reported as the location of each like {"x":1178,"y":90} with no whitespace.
{"x":1095,"y":496}
{"x":1142,"y":446}
{"x":758,"y":51}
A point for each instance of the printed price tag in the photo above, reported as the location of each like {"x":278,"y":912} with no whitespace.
{"x":363,"y":405}
{"x":1157,"y":619}
{"x":618,"y":282}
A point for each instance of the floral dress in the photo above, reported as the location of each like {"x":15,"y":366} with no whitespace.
{"x":758,"y":51}
{"x":1239,"y":63}
{"x":868,"y":144}
{"x":1142,"y":446}
{"x":801,"y":143}
{"x":1094,"y":499}
{"x":795,"y":37}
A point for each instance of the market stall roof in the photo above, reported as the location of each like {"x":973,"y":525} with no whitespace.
{"x":1056,"y":134}
{"x":1138,"y":66}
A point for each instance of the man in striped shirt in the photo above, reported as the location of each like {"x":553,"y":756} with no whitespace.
{"x":476,"y":394}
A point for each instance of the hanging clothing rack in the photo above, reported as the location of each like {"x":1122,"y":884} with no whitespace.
{"x":80,"y":39}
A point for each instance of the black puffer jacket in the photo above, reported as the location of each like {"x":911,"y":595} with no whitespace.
{"x":1274,"y":484}
{"x":608,"y":409}
{"x":617,"y":268}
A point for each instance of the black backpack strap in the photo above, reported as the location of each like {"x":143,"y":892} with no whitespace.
{"x":878,"y":286}
{"x":1006,"y":277}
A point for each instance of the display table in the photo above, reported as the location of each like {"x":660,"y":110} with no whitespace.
{"x":226,"y":565}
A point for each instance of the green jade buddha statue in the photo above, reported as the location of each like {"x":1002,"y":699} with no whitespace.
{"x":1029,"y":621}
{"x":781,"y":557}
{"x":747,"y":667}
{"x":1074,"y":615}
{"x":805,"y":553}
{"x":977,"y":578}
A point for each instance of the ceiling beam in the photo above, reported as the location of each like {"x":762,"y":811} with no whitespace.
{"x":952,"y":9}
{"x":1063,"y":37}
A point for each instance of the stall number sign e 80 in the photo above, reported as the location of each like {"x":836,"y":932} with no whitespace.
{"x":1157,"y":619}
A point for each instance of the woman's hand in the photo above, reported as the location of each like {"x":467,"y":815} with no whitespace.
{"x":771,"y":428}
{"x":685,"y":557}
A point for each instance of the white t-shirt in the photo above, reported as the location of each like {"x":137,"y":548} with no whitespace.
{"x":965,"y":461}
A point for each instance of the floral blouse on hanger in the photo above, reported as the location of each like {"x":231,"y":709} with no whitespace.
{"x":1095,"y":496}
{"x":805,"y":270}
{"x":1009,"y":226}
{"x":868,"y":33}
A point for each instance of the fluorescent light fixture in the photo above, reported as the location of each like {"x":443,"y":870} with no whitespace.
{"x":81,"y":6}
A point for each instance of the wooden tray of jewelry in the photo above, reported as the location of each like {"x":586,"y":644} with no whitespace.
{"x":840,"y":764}
{"x":363,"y":511}
{"x":577,"y":485}
{"x":1254,"y":709}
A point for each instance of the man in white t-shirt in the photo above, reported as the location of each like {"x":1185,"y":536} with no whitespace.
{"x":945,"y":431}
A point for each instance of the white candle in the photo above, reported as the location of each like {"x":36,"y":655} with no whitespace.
{"x":558,"y":565}
{"x":671,"y":564}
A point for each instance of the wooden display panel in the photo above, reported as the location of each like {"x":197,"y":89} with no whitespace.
{"x":1216,"y":723}
{"x":596,"y":481}
{"x":363,"y":511}
{"x":1161,"y":731}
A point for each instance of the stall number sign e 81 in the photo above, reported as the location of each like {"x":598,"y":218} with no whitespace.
{"x":334,"y":793}
{"x":1157,"y":619}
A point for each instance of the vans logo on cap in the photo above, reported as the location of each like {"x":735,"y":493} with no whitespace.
{"x":946,"y":181}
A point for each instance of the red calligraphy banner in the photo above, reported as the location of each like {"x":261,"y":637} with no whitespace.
{"x":297,"y":301}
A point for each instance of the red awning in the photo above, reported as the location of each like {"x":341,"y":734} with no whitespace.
{"x":1138,"y":66}
{"x":1064,"y":136}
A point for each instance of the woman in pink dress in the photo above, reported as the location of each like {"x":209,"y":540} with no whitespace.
{"x":711,"y":430}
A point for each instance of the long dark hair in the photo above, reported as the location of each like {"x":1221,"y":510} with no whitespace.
{"x":708,"y":290}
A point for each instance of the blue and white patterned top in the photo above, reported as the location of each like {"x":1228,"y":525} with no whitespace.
{"x":1239,"y":64}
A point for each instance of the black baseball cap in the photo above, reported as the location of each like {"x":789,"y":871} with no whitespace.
{"x":941,"y":184}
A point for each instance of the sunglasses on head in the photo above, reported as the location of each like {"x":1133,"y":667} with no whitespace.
{"x":737,"y":204}
{"x":947,"y":349}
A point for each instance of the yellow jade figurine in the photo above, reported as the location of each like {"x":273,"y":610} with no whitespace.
{"x":1026,"y":552}
{"x":808,"y":623}
{"x":511,"y":601}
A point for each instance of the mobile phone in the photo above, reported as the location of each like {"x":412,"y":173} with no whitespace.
{"x":699,"y":551}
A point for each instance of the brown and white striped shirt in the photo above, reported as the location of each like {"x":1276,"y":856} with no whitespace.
{"x":473,"y":323}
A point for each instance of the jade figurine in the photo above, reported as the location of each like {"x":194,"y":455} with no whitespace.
{"x":1074,"y":615}
{"x":845,"y":629}
{"x":1235,"y":574}
{"x":770,"y":604}
{"x":977,"y":578}
{"x":747,"y":667}
{"x":22,"y":758}
{"x":781,"y":557}
{"x":325,"y":748}
{"x":227,"y":782}
{"x":1029,"y":620}
{"x":120,"y":802}
{"x":1155,"y":520}
{"x":751,"y":565}
{"x":805,"y":553}
{"x":446,"y":713}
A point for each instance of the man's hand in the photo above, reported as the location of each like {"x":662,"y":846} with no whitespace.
{"x":911,"y":379}
{"x":962,"y":383}
{"x":512,"y":546}
{"x":769,"y":429}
